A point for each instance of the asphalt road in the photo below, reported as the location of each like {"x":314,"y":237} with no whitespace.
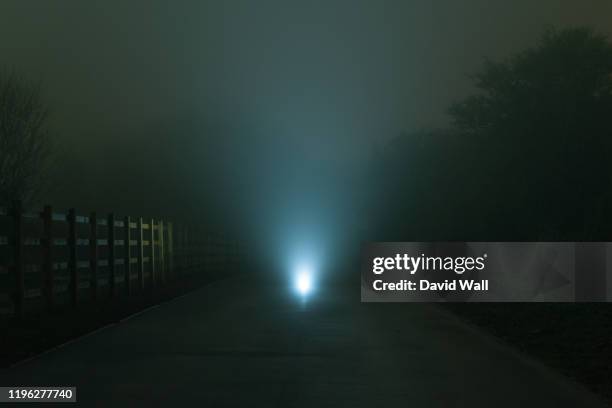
{"x":243,"y":343}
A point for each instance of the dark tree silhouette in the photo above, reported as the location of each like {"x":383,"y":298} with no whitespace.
{"x":541,"y":130}
{"x":529,"y":155}
{"x":24,"y":140}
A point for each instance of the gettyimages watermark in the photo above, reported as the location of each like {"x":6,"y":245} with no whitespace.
{"x":486,"y":272}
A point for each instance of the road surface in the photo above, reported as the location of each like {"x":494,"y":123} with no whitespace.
{"x":240,"y":343}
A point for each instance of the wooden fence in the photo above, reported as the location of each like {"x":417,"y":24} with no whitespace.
{"x":49,"y":259}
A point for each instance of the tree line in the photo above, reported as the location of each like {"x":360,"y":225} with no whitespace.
{"x":527,"y":156}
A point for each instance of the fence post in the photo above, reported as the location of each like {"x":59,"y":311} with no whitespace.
{"x":234,"y":256}
{"x":140,"y":255}
{"x":180,"y":260}
{"x":208,"y":251}
{"x":93,"y":255}
{"x":185,"y":253}
{"x":72,"y":257}
{"x":162,"y":260}
{"x":171,"y":250}
{"x":235,"y":264}
{"x":110,"y":227}
{"x":127,"y":256}
{"x":47,"y":216}
{"x":152,"y":257}
{"x":72,"y":261}
{"x":19,"y":294}
{"x":190,"y":244}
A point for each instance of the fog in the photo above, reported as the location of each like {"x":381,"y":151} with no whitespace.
{"x":257,"y":119}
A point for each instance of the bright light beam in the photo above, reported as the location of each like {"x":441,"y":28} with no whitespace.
{"x":303,"y":282}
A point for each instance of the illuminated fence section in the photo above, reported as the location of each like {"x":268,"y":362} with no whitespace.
{"x":50,"y":259}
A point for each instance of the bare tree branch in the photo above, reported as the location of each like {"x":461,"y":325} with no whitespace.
{"x":24,"y":139}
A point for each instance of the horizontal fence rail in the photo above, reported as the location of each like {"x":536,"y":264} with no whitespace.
{"x":49,"y":259}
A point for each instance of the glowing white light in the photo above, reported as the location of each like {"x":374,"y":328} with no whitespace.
{"x":303,"y":282}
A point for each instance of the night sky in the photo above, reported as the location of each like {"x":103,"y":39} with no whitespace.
{"x":345,"y":74}
{"x":270,"y":103}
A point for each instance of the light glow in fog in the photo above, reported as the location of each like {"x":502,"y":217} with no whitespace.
{"x":303,"y":281}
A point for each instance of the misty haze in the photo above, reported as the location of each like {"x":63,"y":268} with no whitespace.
{"x":190,"y":193}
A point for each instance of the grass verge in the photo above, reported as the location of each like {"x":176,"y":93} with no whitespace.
{"x":572,"y":338}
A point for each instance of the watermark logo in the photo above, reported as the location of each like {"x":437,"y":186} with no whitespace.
{"x":486,"y":271}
